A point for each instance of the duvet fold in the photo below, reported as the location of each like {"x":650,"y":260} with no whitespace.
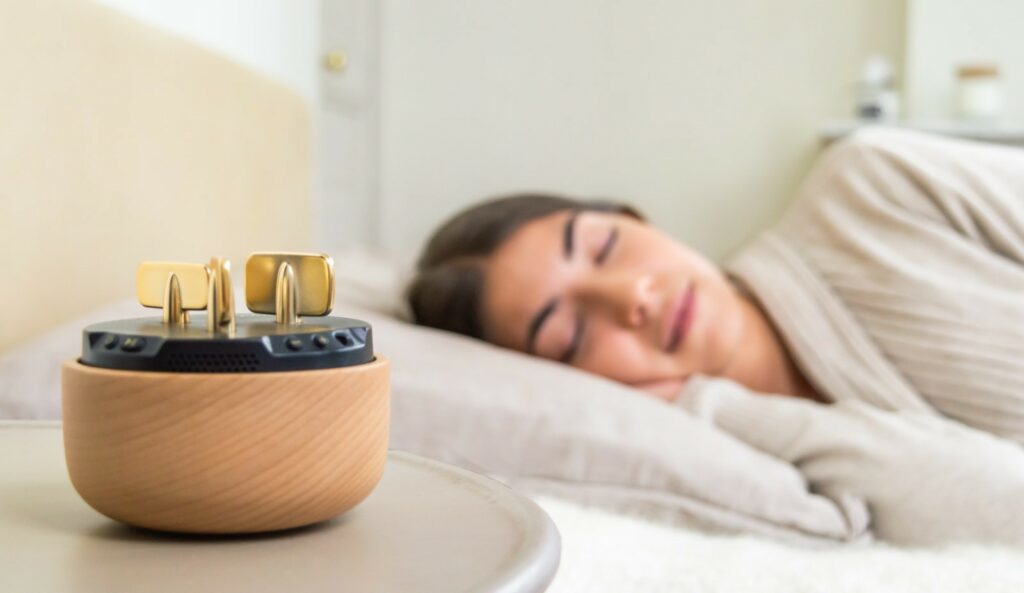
{"x":926,"y":479}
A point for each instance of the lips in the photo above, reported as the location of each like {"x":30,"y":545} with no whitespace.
{"x":682,"y":318}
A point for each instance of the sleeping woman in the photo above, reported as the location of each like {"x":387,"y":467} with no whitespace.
{"x":896,"y":278}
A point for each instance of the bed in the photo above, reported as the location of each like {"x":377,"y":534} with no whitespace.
{"x":609,"y":543}
{"x":194,"y":156}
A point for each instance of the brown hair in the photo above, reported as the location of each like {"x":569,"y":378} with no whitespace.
{"x":445,"y":292}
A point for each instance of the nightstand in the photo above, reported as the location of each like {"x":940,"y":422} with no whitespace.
{"x":427,"y":527}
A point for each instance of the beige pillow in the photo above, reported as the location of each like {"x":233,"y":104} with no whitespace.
{"x":552,"y":428}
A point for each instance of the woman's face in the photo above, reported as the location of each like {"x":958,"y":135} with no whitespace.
{"x":612,"y":295}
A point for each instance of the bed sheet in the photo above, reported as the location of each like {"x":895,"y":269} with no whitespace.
{"x":604,"y":551}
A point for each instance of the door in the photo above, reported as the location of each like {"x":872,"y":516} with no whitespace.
{"x":346,"y":125}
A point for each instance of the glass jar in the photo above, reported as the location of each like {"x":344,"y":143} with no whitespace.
{"x":979,"y":92}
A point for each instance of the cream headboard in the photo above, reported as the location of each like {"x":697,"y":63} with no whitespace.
{"x":119,"y":143}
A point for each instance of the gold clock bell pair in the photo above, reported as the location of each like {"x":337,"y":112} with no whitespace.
{"x":228,"y":424}
{"x":273,"y":284}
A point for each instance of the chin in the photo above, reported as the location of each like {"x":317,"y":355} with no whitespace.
{"x":717,"y":333}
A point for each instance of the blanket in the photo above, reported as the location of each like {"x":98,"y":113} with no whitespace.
{"x":896,"y":277}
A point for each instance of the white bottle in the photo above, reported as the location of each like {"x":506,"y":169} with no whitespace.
{"x":877,"y":98}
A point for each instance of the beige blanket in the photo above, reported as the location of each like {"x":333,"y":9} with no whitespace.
{"x":897,"y":277}
{"x":926,"y":479}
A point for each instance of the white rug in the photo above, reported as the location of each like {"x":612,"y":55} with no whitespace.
{"x":607,"y":552}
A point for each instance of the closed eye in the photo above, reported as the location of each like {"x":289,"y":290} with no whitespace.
{"x":577,"y":338}
{"x":602,"y":255}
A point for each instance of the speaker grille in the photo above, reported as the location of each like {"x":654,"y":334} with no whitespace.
{"x":213,"y":363}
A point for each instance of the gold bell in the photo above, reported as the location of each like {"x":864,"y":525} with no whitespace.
{"x":176,"y":288}
{"x":289,"y":285}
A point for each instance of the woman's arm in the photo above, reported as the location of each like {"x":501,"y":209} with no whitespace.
{"x":665,"y":389}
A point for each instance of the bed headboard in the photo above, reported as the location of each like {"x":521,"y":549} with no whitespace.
{"x":120,"y":143}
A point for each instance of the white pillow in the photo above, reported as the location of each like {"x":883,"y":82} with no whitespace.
{"x":30,"y":373}
{"x":536,"y":424}
{"x":551,"y":428}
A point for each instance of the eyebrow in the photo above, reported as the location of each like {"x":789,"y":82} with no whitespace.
{"x":568,"y":233}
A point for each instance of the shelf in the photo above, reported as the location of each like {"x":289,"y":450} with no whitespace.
{"x":995,"y":132}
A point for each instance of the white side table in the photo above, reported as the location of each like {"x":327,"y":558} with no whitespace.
{"x":427,"y":527}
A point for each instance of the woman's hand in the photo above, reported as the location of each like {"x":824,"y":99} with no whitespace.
{"x":663,"y":389}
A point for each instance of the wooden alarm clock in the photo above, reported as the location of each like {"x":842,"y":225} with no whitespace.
{"x":208,"y":423}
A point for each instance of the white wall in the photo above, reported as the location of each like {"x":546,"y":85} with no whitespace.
{"x":705,"y":114}
{"x":348,"y":126}
{"x":943,"y":34}
{"x":278,"y":38}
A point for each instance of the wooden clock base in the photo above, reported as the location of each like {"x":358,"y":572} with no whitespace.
{"x":225,"y":452}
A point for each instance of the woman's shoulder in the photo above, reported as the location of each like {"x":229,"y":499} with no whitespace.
{"x":879,"y":175}
{"x":872,"y":169}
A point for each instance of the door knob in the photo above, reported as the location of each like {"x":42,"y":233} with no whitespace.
{"x":336,"y":60}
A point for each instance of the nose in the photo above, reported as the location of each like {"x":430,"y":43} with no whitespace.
{"x":627,"y":296}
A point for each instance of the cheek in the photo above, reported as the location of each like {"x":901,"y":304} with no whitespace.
{"x":716,"y":332}
{"x":660,"y":254}
{"x":619,"y":355}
